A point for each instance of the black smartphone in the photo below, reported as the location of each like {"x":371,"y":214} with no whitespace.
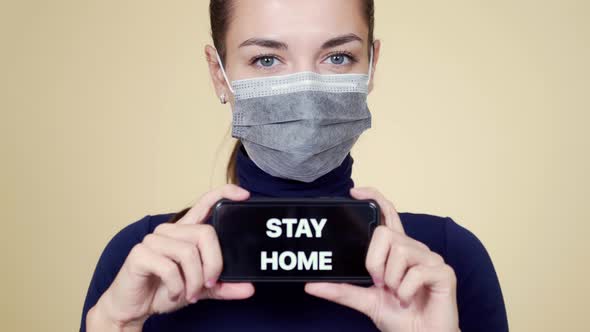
{"x":295,"y":239}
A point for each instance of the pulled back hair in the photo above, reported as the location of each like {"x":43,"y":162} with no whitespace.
{"x":220,"y":15}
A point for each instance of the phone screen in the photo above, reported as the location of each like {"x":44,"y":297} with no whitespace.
{"x":295,"y":239}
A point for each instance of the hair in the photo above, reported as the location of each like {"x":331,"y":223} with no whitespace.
{"x":220,"y":14}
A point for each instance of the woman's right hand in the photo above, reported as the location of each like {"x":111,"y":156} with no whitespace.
{"x":174,"y":266}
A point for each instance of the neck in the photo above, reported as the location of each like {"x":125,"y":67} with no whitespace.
{"x":336,"y":183}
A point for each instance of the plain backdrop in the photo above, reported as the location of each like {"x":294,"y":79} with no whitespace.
{"x":480,"y":113}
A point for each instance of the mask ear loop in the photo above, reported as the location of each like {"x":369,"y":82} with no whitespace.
{"x":370,"y":64}
{"x":223,"y":72}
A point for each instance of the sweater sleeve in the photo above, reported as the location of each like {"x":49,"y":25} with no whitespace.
{"x":110,"y":262}
{"x":479,"y":296}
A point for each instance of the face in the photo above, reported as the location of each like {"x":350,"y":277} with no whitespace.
{"x":279,"y":37}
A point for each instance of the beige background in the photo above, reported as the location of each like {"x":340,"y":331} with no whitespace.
{"x":480,"y":111}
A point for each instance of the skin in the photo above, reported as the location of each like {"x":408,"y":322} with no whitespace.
{"x":301,"y":27}
{"x":176,"y":265}
{"x":179,"y":264}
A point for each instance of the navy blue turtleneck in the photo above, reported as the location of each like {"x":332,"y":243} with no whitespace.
{"x":259,"y":183}
{"x":285,"y":306}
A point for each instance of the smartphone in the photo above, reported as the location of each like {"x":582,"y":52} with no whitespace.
{"x":295,"y":239}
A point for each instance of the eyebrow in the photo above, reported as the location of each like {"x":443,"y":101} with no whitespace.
{"x":341,"y":40}
{"x":270,"y":43}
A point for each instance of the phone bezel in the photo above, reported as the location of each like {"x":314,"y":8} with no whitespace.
{"x":269,"y":201}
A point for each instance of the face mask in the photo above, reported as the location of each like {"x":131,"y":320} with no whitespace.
{"x":300,"y":126}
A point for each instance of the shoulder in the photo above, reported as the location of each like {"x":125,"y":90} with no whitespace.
{"x":130,"y":235}
{"x":426,"y":228}
{"x":443,"y":235}
{"x":135,"y":231}
{"x":480,"y":300}
{"x":116,"y":250}
{"x":114,"y":254}
{"x":460,"y":247}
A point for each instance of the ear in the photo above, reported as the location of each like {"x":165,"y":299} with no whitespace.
{"x":216,"y":74}
{"x":376,"y":52}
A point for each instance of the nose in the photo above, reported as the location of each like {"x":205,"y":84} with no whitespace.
{"x":305,"y":63}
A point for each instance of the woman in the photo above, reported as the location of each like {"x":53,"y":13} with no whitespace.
{"x":160,"y":273}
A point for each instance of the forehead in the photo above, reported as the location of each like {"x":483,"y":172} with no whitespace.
{"x":301,"y":22}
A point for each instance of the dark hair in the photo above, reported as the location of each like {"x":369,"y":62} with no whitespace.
{"x":220,"y":13}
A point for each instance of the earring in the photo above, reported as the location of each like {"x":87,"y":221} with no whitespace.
{"x":222,"y":98}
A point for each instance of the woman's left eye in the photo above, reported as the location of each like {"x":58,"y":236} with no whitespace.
{"x":339,"y":59}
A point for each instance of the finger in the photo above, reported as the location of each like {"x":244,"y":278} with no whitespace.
{"x":205,"y":238}
{"x":392,"y":219}
{"x":395,"y":269}
{"x":200,"y":210}
{"x":210,"y":250}
{"x":401,"y":258}
{"x":185,"y":254}
{"x":356,"y":297}
{"x":440,"y":280}
{"x":377,"y":254}
{"x":146,"y":262}
{"x":229,"y":291}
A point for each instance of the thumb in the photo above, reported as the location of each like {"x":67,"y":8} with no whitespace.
{"x":356,"y":297}
{"x":229,"y":291}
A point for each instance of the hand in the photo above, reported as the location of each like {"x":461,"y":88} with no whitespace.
{"x":414,"y":290}
{"x":175,"y":265}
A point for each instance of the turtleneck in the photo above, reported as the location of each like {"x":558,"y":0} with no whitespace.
{"x":336,"y":183}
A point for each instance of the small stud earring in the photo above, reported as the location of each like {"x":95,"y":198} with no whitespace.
{"x":222,"y":98}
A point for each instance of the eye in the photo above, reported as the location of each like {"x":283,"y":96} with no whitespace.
{"x":340,"y":59}
{"x":265,"y":61}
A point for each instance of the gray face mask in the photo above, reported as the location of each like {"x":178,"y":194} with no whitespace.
{"x":300,"y":126}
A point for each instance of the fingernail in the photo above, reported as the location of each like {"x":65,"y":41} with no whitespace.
{"x":209,"y":283}
{"x":194,"y":299}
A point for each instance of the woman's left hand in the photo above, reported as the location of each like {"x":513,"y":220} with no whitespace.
{"x":414,"y":290}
